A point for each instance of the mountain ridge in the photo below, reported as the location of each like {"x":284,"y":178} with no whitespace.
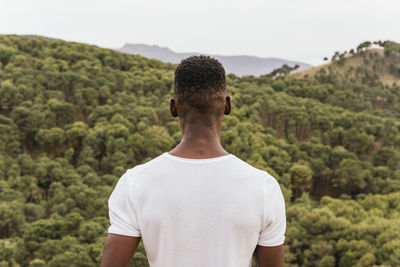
{"x":240,"y":65}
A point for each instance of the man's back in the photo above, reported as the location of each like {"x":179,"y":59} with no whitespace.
{"x":198,"y":212}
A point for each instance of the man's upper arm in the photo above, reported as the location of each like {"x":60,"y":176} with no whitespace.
{"x":122,"y":213}
{"x":124,"y":232}
{"x":119,"y":250}
{"x":269,"y":251}
{"x":269,"y":256}
{"x":274,"y":225}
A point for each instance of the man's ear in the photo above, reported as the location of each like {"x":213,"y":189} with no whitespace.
{"x":228,"y":105}
{"x":172,"y":107}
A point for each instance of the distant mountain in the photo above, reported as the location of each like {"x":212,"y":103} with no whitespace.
{"x":239,"y":65}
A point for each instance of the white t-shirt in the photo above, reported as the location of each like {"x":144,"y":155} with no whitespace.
{"x":198,"y":212}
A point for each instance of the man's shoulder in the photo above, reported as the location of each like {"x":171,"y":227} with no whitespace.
{"x":237,"y":166}
{"x":253,"y":171}
{"x":143,"y":166}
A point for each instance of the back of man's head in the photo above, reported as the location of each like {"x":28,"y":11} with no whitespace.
{"x":199,"y":82}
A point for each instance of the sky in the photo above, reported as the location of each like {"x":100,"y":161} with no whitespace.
{"x":302,"y":30}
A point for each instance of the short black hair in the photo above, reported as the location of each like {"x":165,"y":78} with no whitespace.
{"x":199,"y":80}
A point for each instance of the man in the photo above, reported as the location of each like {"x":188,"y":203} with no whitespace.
{"x":197,"y":205}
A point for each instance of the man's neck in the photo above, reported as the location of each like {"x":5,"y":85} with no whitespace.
{"x":200,"y":139}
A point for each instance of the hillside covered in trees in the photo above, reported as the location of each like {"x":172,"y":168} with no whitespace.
{"x":368,"y":64}
{"x":74,"y":117}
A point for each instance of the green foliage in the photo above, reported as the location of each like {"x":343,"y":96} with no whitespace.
{"x":301,"y":177}
{"x":74,"y":117}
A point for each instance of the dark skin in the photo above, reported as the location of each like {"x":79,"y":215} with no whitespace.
{"x":119,"y":250}
{"x":201,"y":129}
{"x":201,"y":135}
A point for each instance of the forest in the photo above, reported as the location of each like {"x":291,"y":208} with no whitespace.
{"x":74,"y":117}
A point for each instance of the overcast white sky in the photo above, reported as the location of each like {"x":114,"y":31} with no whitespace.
{"x":305,"y":30}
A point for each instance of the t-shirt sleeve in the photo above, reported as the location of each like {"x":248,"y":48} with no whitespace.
{"x":121,"y":209}
{"x":274,"y":228}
